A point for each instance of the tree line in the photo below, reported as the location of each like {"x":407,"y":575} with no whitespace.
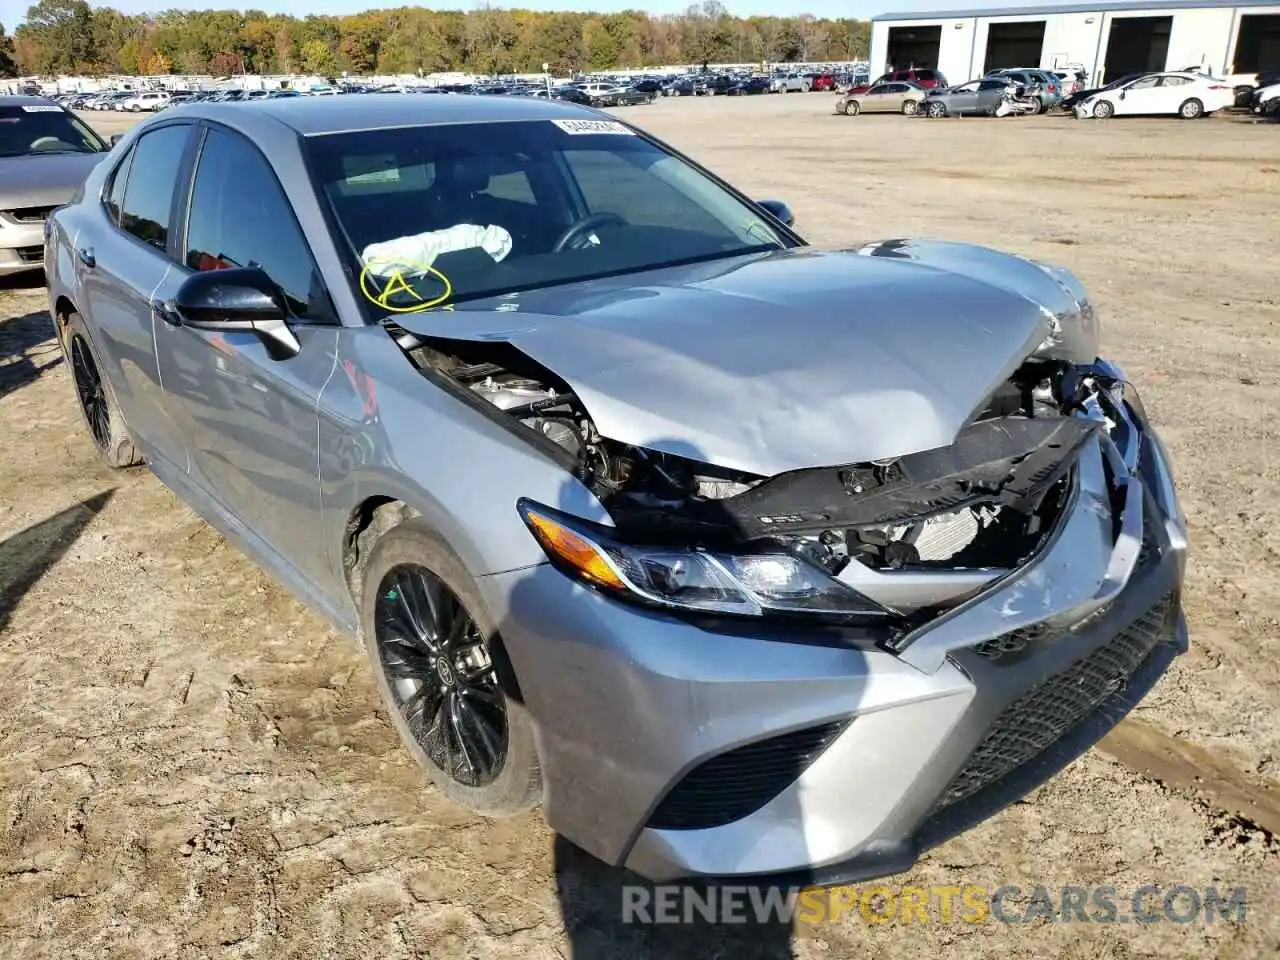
{"x":70,"y":37}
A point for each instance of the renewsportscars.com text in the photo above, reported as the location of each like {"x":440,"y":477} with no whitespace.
{"x":970,"y":903}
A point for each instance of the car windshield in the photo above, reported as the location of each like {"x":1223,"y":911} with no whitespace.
{"x":43,"y":128}
{"x":439,"y":214}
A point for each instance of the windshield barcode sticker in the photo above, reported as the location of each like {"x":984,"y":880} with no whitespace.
{"x":593,"y":126}
{"x":42,"y":108}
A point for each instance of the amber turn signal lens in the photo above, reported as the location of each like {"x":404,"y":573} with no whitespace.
{"x":574,"y":550}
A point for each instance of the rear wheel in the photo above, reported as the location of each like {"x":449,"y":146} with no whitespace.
{"x":937,"y":110}
{"x":1103,"y":110}
{"x":1191,"y":109}
{"x":443,"y":676}
{"x":910,"y":108}
{"x":107,"y":430}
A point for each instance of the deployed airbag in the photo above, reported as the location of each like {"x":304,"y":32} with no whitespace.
{"x":414,"y":255}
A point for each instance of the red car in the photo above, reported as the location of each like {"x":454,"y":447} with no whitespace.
{"x":922,"y":78}
{"x":822,"y":81}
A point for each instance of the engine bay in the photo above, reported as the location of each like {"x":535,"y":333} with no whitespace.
{"x":949,"y":520}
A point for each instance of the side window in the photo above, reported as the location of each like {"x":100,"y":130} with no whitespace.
{"x":992,"y":85}
{"x":147,"y":203}
{"x":1146,"y":83}
{"x":115,"y":193}
{"x":1174,"y":81}
{"x":240,"y":217}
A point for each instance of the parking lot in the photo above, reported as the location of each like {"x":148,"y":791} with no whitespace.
{"x":192,"y":764}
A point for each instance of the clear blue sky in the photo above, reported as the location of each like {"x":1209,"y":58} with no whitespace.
{"x":13,"y":11}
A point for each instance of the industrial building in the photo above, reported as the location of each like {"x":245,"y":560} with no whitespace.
{"x":1233,"y":39}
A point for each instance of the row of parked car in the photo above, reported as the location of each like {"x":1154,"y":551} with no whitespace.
{"x":1183,"y":93}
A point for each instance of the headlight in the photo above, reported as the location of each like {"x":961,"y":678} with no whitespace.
{"x":694,"y":580}
{"x":1075,"y":329}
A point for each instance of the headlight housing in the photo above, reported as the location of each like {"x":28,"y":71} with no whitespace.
{"x":696,"y":581}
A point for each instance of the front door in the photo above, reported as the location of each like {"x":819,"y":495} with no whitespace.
{"x":125,"y":262}
{"x":1141,"y":96}
{"x":251,"y":419}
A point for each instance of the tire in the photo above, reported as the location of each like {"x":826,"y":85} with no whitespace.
{"x":516,"y":785}
{"x":936,"y":110}
{"x":1103,"y":110}
{"x":1191,"y":109}
{"x":102,"y":418}
{"x":910,"y":108}
{"x":1040,"y":107}
{"x":852,"y":108}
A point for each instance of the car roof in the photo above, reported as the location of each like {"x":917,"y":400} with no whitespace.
{"x":314,"y":116}
{"x":18,"y":101}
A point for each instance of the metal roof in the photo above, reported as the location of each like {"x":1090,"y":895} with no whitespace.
{"x":1107,"y":6}
{"x":310,"y":116}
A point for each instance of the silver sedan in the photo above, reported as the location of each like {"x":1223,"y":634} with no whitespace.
{"x":743,"y":559}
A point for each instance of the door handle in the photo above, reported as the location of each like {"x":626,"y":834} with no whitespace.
{"x":162,"y":311}
{"x":86,"y":257}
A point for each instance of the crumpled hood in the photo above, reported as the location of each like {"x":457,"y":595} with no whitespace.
{"x":783,"y":361}
{"x":40,"y":181}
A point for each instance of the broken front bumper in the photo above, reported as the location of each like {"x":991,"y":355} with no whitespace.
{"x":764,"y":754}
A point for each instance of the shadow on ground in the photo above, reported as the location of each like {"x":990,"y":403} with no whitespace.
{"x":27,"y":555}
{"x":593,"y":898}
{"x":27,"y":350}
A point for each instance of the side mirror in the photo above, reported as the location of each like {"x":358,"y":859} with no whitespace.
{"x":240,"y":299}
{"x":116,"y":138}
{"x":779,"y":211}
{"x":1122,"y":94}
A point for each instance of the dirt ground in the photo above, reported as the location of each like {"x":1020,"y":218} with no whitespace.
{"x":194,"y":765}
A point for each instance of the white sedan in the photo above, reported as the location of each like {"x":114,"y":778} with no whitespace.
{"x":1186,"y":95}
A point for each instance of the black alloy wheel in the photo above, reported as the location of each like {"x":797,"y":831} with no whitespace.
{"x":440,"y":674}
{"x":92,"y":393}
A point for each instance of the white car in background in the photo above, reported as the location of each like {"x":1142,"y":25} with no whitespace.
{"x":150,"y":100}
{"x":1186,"y":95}
{"x":791,"y":83}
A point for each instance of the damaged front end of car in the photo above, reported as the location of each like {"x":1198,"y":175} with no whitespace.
{"x":882,"y":547}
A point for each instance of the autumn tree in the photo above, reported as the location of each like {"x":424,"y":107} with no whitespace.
{"x":62,"y":36}
{"x":62,"y":30}
{"x":318,"y":58}
{"x":8,"y":68}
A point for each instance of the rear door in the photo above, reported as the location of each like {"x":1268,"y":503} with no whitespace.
{"x":126,"y":263}
{"x":251,"y":419}
{"x":990,"y":93}
{"x":1171,"y":91}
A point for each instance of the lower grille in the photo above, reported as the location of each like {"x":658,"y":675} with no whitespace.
{"x":1040,"y":717}
{"x":738,"y":783}
{"x":30,"y":254}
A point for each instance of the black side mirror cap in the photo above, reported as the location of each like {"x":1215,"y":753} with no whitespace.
{"x":778,"y":210}
{"x":116,"y":138}
{"x":238,"y":299}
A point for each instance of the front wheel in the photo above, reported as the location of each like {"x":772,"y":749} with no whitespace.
{"x":442,"y":675}
{"x":1103,"y":110}
{"x":909,"y":108}
{"x":937,"y":110}
{"x":1191,"y":109}
{"x":111,"y":438}
{"x":851,"y":109}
